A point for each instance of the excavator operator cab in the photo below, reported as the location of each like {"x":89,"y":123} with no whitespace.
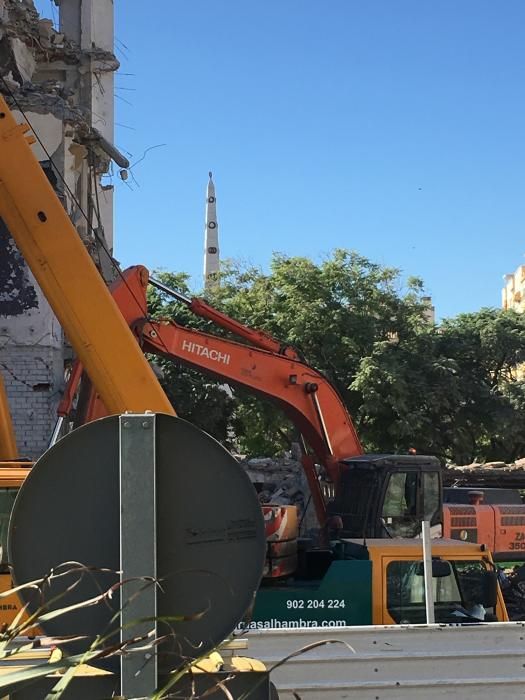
{"x":388,"y":496}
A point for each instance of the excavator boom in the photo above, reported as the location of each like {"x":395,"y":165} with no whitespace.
{"x":199,"y":307}
{"x":303,"y":394}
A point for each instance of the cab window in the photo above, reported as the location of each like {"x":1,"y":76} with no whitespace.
{"x":400,"y":516}
{"x":461,"y":589}
{"x":431,"y":495}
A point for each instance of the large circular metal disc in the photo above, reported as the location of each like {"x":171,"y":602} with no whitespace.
{"x":68,"y":510}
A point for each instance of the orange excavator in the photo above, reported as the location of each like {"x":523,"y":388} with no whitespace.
{"x":375,"y":496}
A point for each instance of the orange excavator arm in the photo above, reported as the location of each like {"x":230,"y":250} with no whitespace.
{"x":260,"y":339}
{"x":304,"y":394}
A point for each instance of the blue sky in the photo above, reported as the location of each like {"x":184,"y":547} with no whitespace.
{"x":394,"y":127}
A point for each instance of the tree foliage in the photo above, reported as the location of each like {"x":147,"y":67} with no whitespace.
{"x":453,"y":390}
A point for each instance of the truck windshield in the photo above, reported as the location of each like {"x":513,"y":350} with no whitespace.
{"x":463,"y":588}
{"x":410,"y":497}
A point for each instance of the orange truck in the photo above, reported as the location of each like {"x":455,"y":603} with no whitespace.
{"x":492,"y":516}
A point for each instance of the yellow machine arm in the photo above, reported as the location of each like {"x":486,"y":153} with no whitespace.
{"x":8,"y":448}
{"x":69,"y":279}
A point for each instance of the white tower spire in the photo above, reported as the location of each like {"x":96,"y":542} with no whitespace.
{"x":211,"y":237}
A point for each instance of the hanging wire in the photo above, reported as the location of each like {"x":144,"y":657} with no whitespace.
{"x":143,"y":156}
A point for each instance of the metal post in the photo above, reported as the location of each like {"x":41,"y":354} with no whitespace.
{"x":138,"y":548}
{"x":427,"y":571}
{"x":56,"y":431}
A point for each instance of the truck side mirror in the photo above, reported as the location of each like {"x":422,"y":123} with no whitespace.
{"x":440,"y":568}
{"x":490,"y":589}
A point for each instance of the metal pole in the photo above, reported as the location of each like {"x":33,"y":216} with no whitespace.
{"x":171,"y":292}
{"x":427,"y":571}
{"x":138,"y":550}
{"x":56,"y":431}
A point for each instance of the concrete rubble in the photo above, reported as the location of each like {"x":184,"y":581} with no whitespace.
{"x":519,"y":464}
{"x":43,"y":70}
{"x":281,"y":481}
{"x":488,"y":474}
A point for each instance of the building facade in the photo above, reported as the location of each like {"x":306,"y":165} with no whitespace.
{"x":513,"y":292}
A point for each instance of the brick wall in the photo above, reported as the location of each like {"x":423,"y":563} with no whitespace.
{"x":33,"y":376}
{"x":31,"y":352}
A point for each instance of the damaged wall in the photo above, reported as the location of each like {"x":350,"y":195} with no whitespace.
{"x":63,"y":82}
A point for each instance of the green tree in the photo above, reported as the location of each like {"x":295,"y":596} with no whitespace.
{"x":452,"y":391}
{"x":489,"y":348}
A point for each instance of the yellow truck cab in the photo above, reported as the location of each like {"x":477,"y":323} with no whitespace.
{"x":398,"y":593}
{"x":381,"y":582}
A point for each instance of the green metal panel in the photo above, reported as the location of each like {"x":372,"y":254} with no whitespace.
{"x":343,"y":598}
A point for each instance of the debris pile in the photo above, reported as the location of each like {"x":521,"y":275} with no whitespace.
{"x":278,"y":480}
{"x":494,"y":474}
{"x":518,"y":464}
{"x":41,"y":66}
{"x":281,"y":481}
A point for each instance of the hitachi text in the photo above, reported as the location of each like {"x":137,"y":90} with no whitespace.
{"x":204,"y":351}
